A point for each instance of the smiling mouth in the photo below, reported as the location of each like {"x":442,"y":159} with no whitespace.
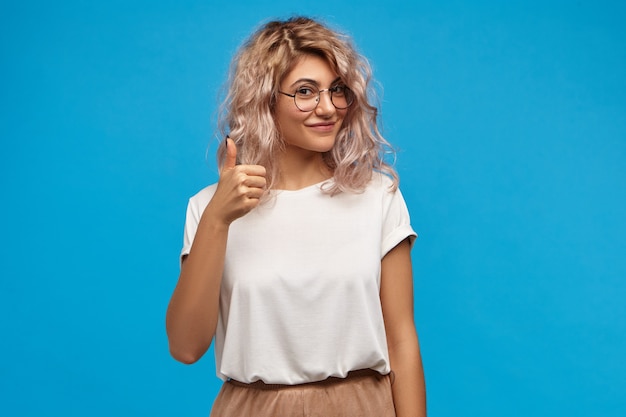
{"x":325,"y":124}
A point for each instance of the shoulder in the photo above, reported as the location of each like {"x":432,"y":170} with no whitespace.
{"x":384,"y":189}
{"x":381,"y":184}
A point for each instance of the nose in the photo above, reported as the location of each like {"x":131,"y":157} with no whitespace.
{"x":325,"y":107}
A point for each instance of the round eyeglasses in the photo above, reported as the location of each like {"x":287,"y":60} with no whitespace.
{"x":307,"y":98}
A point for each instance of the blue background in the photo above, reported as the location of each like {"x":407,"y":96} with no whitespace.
{"x":510,"y":119}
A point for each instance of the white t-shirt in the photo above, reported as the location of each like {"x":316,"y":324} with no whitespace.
{"x":300,"y":293}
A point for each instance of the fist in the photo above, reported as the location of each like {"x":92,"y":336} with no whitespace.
{"x":239,"y":189}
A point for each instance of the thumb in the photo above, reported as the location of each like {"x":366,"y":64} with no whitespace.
{"x":231,"y":154}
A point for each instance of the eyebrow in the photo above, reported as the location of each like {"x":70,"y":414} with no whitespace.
{"x":309,"y":80}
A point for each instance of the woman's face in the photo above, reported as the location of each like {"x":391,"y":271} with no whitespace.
{"x":316,"y":130}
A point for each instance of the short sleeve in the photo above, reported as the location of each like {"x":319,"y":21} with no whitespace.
{"x":195,"y":208}
{"x":396,"y":222}
{"x":191,"y":225}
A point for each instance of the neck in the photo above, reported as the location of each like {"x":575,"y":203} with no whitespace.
{"x":300,"y":169}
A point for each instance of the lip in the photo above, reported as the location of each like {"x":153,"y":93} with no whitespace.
{"x":323,"y":126}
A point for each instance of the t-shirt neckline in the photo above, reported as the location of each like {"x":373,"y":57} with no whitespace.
{"x":315,"y":186}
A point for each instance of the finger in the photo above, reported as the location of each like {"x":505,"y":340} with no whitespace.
{"x":255,"y":193}
{"x":255,"y":181}
{"x":231,"y":154}
{"x":256,"y":170}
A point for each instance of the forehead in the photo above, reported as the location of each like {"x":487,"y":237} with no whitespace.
{"x":313,"y":68}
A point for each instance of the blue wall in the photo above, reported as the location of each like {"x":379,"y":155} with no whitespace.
{"x":511,"y":125}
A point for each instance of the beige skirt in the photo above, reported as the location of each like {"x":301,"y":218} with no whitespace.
{"x":361,"y":393}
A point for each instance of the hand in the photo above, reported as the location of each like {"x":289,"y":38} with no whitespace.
{"x":239,"y":189}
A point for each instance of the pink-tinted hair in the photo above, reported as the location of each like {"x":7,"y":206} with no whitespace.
{"x":246,"y":114}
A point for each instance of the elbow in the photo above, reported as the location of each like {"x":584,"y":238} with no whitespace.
{"x":185,"y":346}
{"x":186,"y":357}
{"x":186,"y":360}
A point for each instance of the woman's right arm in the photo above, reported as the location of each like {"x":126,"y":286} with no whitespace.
{"x":193,"y":310}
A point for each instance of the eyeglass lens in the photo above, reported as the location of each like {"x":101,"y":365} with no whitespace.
{"x":306,"y":99}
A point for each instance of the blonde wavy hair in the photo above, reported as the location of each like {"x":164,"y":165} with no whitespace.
{"x":247,"y":112}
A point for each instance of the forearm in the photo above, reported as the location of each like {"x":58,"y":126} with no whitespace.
{"x":409,"y":390}
{"x":194,"y":307}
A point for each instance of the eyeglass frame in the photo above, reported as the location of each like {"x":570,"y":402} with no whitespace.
{"x":319,"y":98}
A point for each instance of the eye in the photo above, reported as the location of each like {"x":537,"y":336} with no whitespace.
{"x":306,"y":92}
{"x":338,"y":90}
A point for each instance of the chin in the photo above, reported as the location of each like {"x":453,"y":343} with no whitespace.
{"x":326,"y":145}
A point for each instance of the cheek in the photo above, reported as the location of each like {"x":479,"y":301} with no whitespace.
{"x":288,"y":125}
{"x":345,"y":117}
{"x":293,"y":119}
{"x":287,"y":115}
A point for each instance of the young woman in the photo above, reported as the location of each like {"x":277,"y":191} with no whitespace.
{"x":298,"y":260}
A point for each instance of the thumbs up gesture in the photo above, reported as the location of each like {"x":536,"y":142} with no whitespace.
{"x":239,"y":189}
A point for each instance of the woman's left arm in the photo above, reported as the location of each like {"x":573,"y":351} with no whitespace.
{"x":396,"y":295}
